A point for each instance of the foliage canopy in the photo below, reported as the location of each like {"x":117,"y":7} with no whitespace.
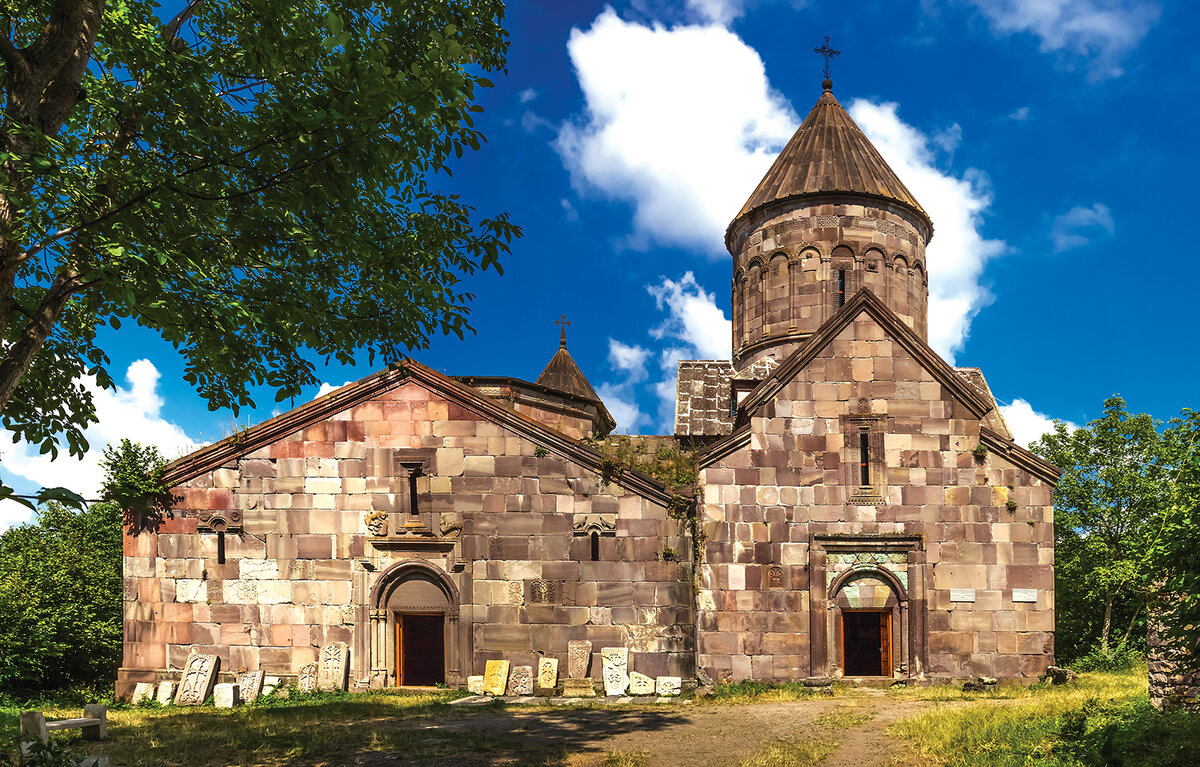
{"x":250,"y":180}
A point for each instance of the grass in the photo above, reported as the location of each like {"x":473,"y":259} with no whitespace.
{"x":787,"y":753}
{"x":771,"y":692}
{"x":624,"y":759}
{"x":1102,"y":719}
{"x":844,"y":717}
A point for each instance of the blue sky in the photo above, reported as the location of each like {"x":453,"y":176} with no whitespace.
{"x":1050,"y":141}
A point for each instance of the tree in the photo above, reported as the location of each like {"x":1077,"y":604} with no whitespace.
{"x":60,"y":599}
{"x":1176,"y":549}
{"x":1108,"y":507}
{"x":250,"y":180}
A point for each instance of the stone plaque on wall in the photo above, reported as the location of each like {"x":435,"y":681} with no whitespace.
{"x":308,"y":678}
{"x":615,"y":666}
{"x":251,"y":683}
{"x":962,"y":595}
{"x":520,"y":681}
{"x":1024,"y":595}
{"x":579,"y":657}
{"x":335,"y":666}
{"x":547,"y":676}
{"x":196,"y":683}
{"x":495,"y":677}
{"x":774,"y":577}
{"x":541,"y":591}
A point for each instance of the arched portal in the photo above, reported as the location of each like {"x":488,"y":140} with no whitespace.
{"x":414,"y":627}
{"x":869,"y":618}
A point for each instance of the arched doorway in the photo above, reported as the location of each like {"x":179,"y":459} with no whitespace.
{"x":869,"y":619}
{"x":414,"y":622}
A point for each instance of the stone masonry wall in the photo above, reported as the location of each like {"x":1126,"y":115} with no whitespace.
{"x":499,"y":514}
{"x":939,"y":521}
{"x":786,"y":274}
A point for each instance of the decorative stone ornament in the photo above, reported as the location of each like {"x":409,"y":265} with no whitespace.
{"x":547,"y":675}
{"x":196,"y":683}
{"x":579,"y":657}
{"x":615,"y":666}
{"x":334,"y":668}
{"x":376,"y":523}
{"x":579,"y":688}
{"x":495,"y":677}
{"x":640,"y":684}
{"x":166,"y":693}
{"x":668,"y":685}
{"x":541,"y":591}
{"x":251,"y":683}
{"x":475,"y":684}
{"x":520,"y":681}
{"x":308,"y":678}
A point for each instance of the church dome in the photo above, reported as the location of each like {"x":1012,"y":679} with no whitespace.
{"x":829,"y":154}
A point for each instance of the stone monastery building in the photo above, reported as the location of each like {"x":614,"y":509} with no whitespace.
{"x":861,"y":508}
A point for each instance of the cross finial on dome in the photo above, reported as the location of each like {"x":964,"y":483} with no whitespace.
{"x":562,"y":338}
{"x":828,"y":53}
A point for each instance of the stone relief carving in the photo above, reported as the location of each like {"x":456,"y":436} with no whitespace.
{"x":516,"y":593}
{"x":605,"y":524}
{"x":541,"y":591}
{"x":377,"y":523}
{"x":774,"y":577}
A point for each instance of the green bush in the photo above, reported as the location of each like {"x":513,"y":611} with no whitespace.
{"x":1119,"y":658}
{"x":61,"y":600}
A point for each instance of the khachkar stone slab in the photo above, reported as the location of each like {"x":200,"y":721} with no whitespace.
{"x":547,"y":676}
{"x":495,"y":677}
{"x":475,"y":684}
{"x":579,"y":688}
{"x":196,"y":683}
{"x":226,"y":695}
{"x":640,"y":684}
{"x":166,"y":693}
{"x":308,"y":678}
{"x":251,"y":683}
{"x":335,"y":666}
{"x":579,"y":657}
{"x":615,"y":667}
{"x":668,"y":685}
{"x":520,"y":682}
{"x":142,"y":691}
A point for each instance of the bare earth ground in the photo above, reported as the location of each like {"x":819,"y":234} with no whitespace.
{"x":669,"y":736}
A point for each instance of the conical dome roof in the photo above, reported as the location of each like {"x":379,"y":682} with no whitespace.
{"x":563,"y":373}
{"x":830,"y":154}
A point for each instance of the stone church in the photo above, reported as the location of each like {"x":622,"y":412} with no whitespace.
{"x":860,"y":508}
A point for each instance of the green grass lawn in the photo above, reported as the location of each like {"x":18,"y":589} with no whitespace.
{"x":1101,"y":719}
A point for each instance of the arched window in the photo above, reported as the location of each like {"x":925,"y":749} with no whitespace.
{"x":595,"y":546}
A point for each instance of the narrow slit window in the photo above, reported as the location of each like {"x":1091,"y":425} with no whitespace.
{"x":841,"y":287}
{"x":864,"y":459}
{"x":595,"y":546}
{"x":220,"y":547}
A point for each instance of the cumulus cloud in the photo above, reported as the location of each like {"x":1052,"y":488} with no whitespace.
{"x":958,"y":251}
{"x":680,"y":122}
{"x":1020,"y":114}
{"x":694,"y":328}
{"x":693,"y":317}
{"x":1026,"y":423}
{"x":1101,"y":31}
{"x":133,"y":411}
{"x":329,"y":387}
{"x":1079,"y":225}
{"x":527,"y":95}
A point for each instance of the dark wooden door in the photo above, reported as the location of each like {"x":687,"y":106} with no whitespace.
{"x":866,"y":643}
{"x":420,"y":650}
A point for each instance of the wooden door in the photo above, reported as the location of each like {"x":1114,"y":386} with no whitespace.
{"x":885,"y":642}
{"x":420,"y":649}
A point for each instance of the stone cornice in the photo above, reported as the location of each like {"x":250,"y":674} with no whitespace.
{"x":1019,"y":456}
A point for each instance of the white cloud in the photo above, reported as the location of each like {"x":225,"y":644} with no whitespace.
{"x":527,"y":95}
{"x":329,"y":387}
{"x":630,"y":360}
{"x":1102,"y":31}
{"x":681,"y":122}
{"x":717,"y":11}
{"x":1026,"y":423}
{"x":1068,"y":230}
{"x":958,"y":251}
{"x":13,"y":514}
{"x":532,"y":122}
{"x":133,"y":411}
{"x":1020,"y":114}
{"x":692,"y":317}
{"x":621,"y":402}
{"x":569,"y":211}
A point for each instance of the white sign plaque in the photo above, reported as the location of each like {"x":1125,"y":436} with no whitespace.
{"x":1024,"y":595}
{"x":962,"y":595}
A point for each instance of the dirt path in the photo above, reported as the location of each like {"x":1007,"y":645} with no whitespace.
{"x":692,"y":735}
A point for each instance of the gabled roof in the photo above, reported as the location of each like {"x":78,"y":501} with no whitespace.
{"x":865,"y":301}
{"x":218,"y":454}
{"x":829,"y":154}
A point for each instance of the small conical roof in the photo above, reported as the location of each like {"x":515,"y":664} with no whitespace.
{"x":563,"y":373}
{"x":830,"y":154}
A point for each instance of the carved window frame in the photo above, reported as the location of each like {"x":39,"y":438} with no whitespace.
{"x":873,"y":425}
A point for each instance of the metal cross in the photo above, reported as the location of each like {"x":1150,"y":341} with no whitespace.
{"x":564,"y":322}
{"x":828,"y":53}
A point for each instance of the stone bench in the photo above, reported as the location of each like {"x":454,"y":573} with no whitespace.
{"x":93,"y":723}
